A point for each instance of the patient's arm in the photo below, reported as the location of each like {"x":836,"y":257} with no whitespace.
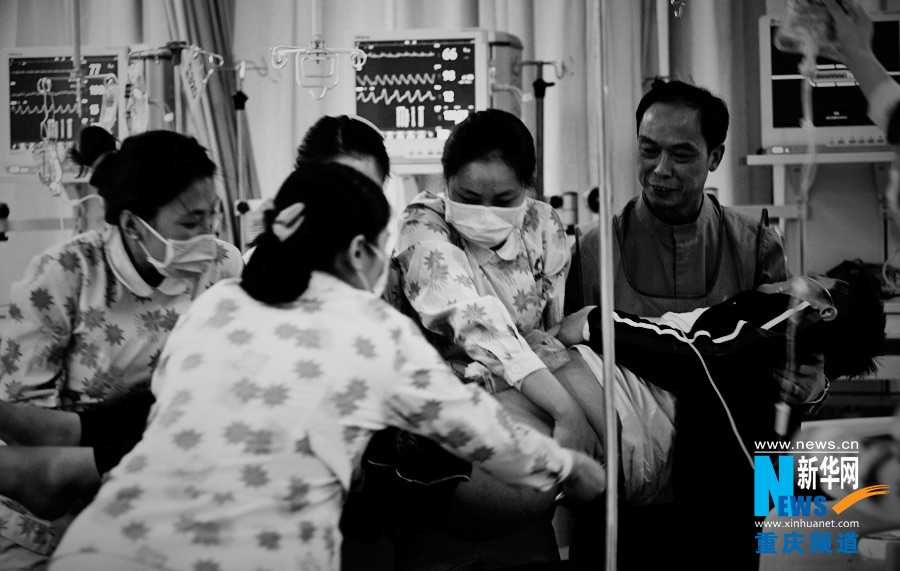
{"x":27,"y":425}
{"x":47,"y":480}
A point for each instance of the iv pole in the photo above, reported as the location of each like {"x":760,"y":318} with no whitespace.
{"x":314,"y":66}
{"x":77,"y":73}
{"x":607,"y":304}
{"x":240,"y":103}
{"x":540,"y":90}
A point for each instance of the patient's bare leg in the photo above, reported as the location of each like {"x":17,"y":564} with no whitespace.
{"x":47,"y":480}
{"x":28,"y":425}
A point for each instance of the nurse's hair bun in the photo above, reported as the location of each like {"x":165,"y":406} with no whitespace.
{"x":318,"y":212}
{"x":94,"y":144}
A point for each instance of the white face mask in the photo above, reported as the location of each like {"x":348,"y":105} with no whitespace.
{"x":184,"y":259}
{"x":486,"y":226}
{"x":381,"y":281}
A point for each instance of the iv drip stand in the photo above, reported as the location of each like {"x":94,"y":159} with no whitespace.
{"x":240,"y":103}
{"x":601,"y":45}
{"x":316,"y":54}
{"x":540,"y":90}
{"x":176,"y":47}
{"x":77,"y":73}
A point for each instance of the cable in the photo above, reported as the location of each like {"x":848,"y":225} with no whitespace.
{"x":807,"y":68}
{"x":682,"y":336}
{"x":62,"y":221}
{"x":78,"y":216}
{"x":81,"y":200}
{"x":734,"y":428}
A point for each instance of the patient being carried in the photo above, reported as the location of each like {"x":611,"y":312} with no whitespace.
{"x":802,"y":325}
{"x":723,"y":375}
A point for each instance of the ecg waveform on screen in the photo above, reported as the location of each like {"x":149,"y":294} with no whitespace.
{"x":397,"y":79}
{"x":43,"y":101}
{"x":39,"y":109}
{"x":60,"y":74}
{"x":395,"y":55}
{"x":394,"y":95}
{"x":38,"y":94}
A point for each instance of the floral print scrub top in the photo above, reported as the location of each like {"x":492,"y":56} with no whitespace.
{"x":262,"y":415}
{"x":486,"y":314}
{"x":83,"y":325}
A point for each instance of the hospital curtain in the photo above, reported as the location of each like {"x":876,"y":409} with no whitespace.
{"x":715,"y":45}
{"x":34,"y":23}
{"x":210,"y":25}
{"x":624,"y":80}
{"x":548,"y":29}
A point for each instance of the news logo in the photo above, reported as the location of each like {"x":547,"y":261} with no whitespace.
{"x":793,"y":487}
{"x":779,"y":487}
{"x":833,"y":473}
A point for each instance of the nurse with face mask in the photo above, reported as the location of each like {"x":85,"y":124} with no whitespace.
{"x":482,"y":269}
{"x":89,"y":318}
{"x":269,"y":391}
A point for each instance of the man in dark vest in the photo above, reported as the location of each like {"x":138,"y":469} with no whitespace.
{"x":676,"y":249}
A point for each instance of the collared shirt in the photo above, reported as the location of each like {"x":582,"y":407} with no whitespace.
{"x":675,"y":261}
{"x":263,"y":412}
{"x":660,"y":268}
{"x":476,"y":304}
{"x":83,"y":325}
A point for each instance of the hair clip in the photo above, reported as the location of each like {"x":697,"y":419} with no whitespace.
{"x":363,"y":120}
{"x":288,"y":220}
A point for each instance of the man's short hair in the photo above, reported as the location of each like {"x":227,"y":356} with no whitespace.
{"x":856,"y":335}
{"x":713,"y":111}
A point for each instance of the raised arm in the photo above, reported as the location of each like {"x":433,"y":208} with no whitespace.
{"x":854,"y":31}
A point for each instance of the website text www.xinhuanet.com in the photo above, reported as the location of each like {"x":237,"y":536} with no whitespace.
{"x":807,"y":523}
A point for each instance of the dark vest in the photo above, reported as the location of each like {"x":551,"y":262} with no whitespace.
{"x":739,"y":267}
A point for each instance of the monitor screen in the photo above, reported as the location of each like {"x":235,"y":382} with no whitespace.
{"x":838,"y":106}
{"x":416,"y":89}
{"x":28,"y":107}
{"x":837,"y":99}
